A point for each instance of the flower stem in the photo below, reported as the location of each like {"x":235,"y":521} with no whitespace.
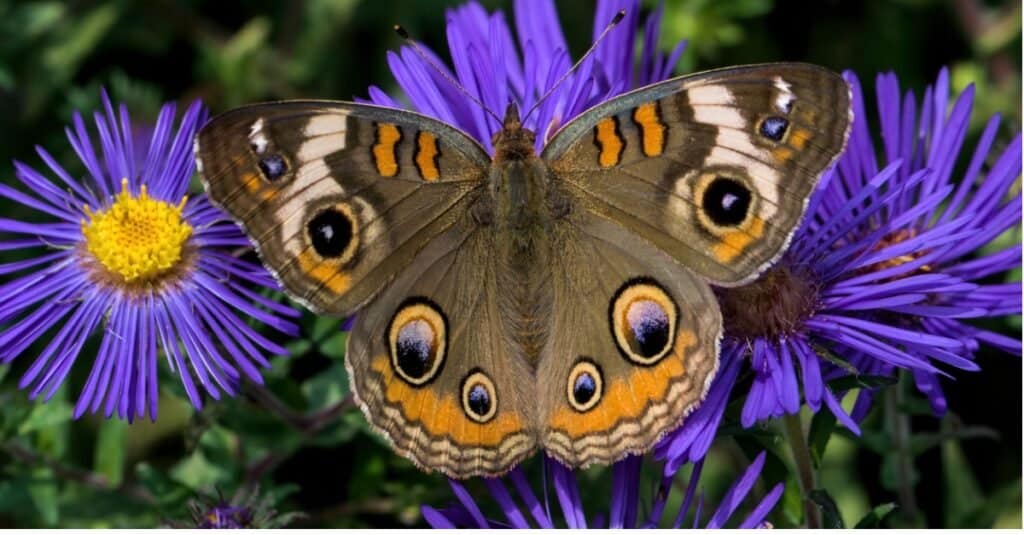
{"x":90,"y":479}
{"x":804,"y":467}
{"x":304,"y":423}
{"x":898,"y":423}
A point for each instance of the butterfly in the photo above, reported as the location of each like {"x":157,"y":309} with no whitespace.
{"x":560,"y":300}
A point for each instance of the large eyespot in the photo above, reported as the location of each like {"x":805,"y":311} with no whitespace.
{"x":479,"y":397}
{"x":418,"y":340}
{"x":273,"y":167}
{"x":333,"y":232}
{"x":643,"y":319}
{"x":585,"y":386}
{"x":773,"y":128}
{"x":725,"y":202}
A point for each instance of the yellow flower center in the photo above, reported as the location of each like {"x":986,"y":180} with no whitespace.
{"x":138,"y":238}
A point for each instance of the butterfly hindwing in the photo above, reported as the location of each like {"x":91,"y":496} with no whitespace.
{"x":714,"y":168}
{"x":338,"y":197}
{"x":632,"y":346}
{"x":435,"y":366}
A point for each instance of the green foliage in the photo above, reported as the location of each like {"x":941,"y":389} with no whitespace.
{"x":298,"y":449}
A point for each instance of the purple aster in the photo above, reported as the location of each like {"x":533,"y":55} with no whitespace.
{"x":884,"y":273}
{"x":624,"y":506}
{"x":126,"y":254}
{"x":490,"y":65}
{"x":247,"y":510}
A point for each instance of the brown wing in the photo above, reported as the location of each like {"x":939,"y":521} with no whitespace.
{"x":337,"y":197}
{"x":714,"y":168}
{"x":435,"y":368}
{"x":633,"y":344}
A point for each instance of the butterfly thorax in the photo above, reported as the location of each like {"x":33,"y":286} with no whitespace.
{"x":519,"y":191}
{"x":518,"y":182}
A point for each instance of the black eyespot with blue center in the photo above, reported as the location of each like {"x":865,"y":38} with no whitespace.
{"x":774,"y":128}
{"x":726,"y":201}
{"x":330,"y":232}
{"x":585,"y":385}
{"x":479,"y":397}
{"x":417,"y":340}
{"x":585,"y":388}
{"x":273,"y":166}
{"x":644,"y":320}
{"x":479,"y":400}
{"x":648,"y":322}
{"x":416,"y":348}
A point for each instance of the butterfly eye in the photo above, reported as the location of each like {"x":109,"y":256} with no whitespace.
{"x":774,"y":128}
{"x":585,"y":386}
{"x":332,"y":232}
{"x":643,"y":318}
{"x":479,"y":398}
{"x":417,"y":340}
{"x":726,"y":202}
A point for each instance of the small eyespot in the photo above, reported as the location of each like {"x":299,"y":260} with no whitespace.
{"x":585,"y":386}
{"x":774,"y":128}
{"x":332,"y":232}
{"x":726,"y":201}
{"x":643,"y":320}
{"x":273,"y":167}
{"x":479,"y":397}
{"x":417,"y":339}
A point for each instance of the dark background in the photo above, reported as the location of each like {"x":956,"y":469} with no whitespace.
{"x":289,"y":442}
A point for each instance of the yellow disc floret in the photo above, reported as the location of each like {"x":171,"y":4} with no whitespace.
{"x":137,"y":238}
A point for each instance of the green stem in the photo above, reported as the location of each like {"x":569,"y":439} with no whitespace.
{"x":898,"y":423}
{"x":804,"y":467}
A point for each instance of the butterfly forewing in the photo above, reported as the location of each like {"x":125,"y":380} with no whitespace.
{"x":337,"y":197}
{"x":714,"y":168}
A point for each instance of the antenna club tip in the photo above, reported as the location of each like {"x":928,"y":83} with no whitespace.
{"x":619,"y":16}
{"x":401,"y":31}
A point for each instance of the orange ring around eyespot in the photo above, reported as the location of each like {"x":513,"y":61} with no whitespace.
{"x":474,"y":379}
{"x":628,"y":296}
{"x":419,"y":310}
{"x":581,"y":367}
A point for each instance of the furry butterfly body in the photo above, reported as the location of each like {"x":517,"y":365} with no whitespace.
{"x":559,"y":300}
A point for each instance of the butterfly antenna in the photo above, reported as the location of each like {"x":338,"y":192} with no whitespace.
{"x":604,"y":33}
{"x":423,"y":55}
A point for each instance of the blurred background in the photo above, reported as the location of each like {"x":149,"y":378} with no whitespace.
{"x":298,"y":445}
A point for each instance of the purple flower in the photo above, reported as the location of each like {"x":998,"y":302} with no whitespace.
{"x":624,"y":506}
{"x":127,"y":254}
{"x":883,"y":272}
{"x":224,"y":516}
{"x":493,"y":69}
{"x":247,"y":510}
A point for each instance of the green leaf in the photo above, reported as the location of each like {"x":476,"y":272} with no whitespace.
{"x":874,"y":518}
{"x":44,"y":495}
{"x":334,"y":345}
{"x":326,"y":388}
{"x":963,"y":494}
{"x":831,"y":519}
{"x":324,"y":327}
{"x":822,"y":425}
{"x":197,"y":471}
{"x":46,"y":416}
{"x":168,"y":492}
{"x":110,"y":450}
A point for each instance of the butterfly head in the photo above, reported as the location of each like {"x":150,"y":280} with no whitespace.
{"x":513,"y":142}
